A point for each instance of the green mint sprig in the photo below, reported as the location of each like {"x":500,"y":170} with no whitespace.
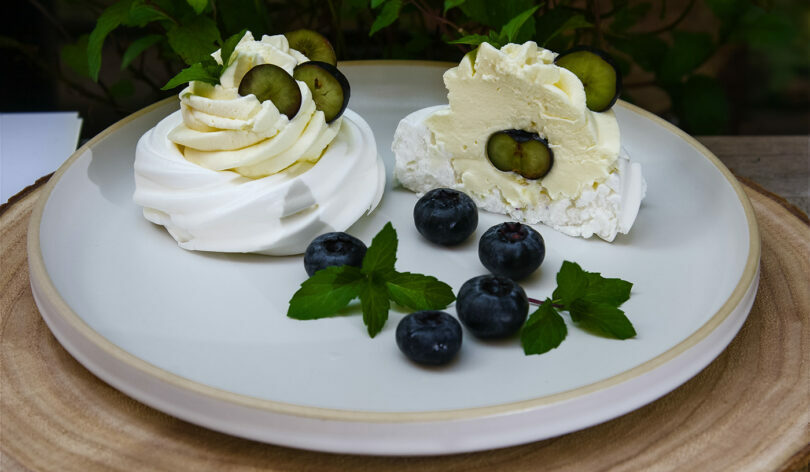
{"x":507,"y":34}
{"x":591,"y":300}
{"x":377,"y":283}
{"x":208,"y":70}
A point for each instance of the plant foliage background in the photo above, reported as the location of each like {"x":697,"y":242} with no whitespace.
{"x":710,"y":66}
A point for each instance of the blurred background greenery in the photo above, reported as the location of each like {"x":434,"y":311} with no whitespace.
{"x":709,"y":66}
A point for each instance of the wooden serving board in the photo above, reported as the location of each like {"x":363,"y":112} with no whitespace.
{"x":748,"y":410}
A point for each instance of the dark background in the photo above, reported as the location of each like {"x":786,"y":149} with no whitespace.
{"x":765,"y":76}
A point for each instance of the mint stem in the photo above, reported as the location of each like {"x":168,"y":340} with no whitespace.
{"x":537,"y":302}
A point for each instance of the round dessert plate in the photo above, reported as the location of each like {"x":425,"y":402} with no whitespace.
{"x":205,"y":337}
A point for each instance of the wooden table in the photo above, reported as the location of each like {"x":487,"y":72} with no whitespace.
{"x":748,"y":410}
{"x":780,"y":164}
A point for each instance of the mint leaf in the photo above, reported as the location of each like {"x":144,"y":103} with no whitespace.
{"x":75,"y":56}
{"x":604,"y":317}
{"x":472,"y":40}
{"x":543,"y":331}
{"x":382,"y":254}
{"x":374,"y":300}
{"x":603,"y":290}
{"x":448,"y":4}
{"x":137,"y":47}
{"x":194,"y":39}
{"x":228,"y":46}
{"x":109,"y":20}
{"x":141,"y":15}
{"x":194,"y":72}
{"x":572,"y":282}
{"x":198,"y":5}
{"x":419,"y":292}
{"x":512,"y":28}
{"x":388,"y":14}
{"x":326,"y":292}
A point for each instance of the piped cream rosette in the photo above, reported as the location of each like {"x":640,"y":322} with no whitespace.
{"x":228,"y":173}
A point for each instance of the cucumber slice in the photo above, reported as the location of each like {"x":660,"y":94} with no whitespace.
{"x":520,"y":151}
{"x":330,"y":88}
{"x":271,"y":82}
{"x":313,"y":45}
{"x":598,"y":74}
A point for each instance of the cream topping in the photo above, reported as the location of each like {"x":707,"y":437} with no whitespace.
{"x":520,"y":87}
{"x":222,"y":130}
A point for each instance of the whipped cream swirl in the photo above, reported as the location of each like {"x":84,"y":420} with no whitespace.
{"x":223,"y":130}
{"x":223,"y":211}
{"x":228,"y":173}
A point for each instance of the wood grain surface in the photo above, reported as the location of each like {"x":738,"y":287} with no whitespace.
{"x":748,"y":410}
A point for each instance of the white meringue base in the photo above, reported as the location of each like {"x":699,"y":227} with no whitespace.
{"x":606,"y":210}
{"x":208,"y":210}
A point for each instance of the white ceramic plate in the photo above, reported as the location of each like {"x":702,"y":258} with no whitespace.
{"x":204,"y":337}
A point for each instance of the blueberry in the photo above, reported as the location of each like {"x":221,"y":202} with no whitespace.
{"x":445,"y":216}
{"x":429,"y":337}
{"x":512,"y":250}
{"x":333,"y":249}
{"x":491,"y":306}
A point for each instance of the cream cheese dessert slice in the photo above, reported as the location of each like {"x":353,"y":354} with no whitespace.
{"x":229,"y":173}
{"x":592,"y":187}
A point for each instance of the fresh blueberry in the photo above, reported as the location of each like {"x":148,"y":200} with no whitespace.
{"x":333,"y":249}
{"x":512,"y":250}
{"x":429,"y":337}
{"x":491,"y":306}
{"x":445,"y":216}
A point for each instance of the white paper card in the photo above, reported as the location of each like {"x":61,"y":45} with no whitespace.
{"x":33,"y":145}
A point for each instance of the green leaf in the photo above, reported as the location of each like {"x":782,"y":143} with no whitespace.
{"x":604,"y":290}
{"x":558,"y":21}
{"x":512,"y":28}
{"x":688,"y":51}
{"x":109,"y":20}
{"x":388,"y":14}
{"x":194,"y":39}
{"x":728,"y":9}
{"x":229,"y":45}
{"x":382,"y":254}
{"x":194,"y":72}
{"x":251,"y":15}
{"x":122,"y":88}
{"x":75,"y":56}
{"x":141,"y":15}
{"x":448,"y":4}
{"x":629,"y":16}
{"x":419,"y":292}
{"x":543,"y":331}
{"x":198,"y":5}
{"x":472,"y":40}
{"x":137,"y":47}
{"x":647,"y":51}
{"x":572,"y":283}
{"x":496,"y":14}
{"x":326,"y":292}
{"x":769,"y":30}
{"x":603,"y":317}
{"x":377,"y":3}
{"x":702,"y":106}
{"x":375,"y":303}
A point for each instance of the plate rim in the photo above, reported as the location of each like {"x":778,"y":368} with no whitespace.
{"x":47,"y":290}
